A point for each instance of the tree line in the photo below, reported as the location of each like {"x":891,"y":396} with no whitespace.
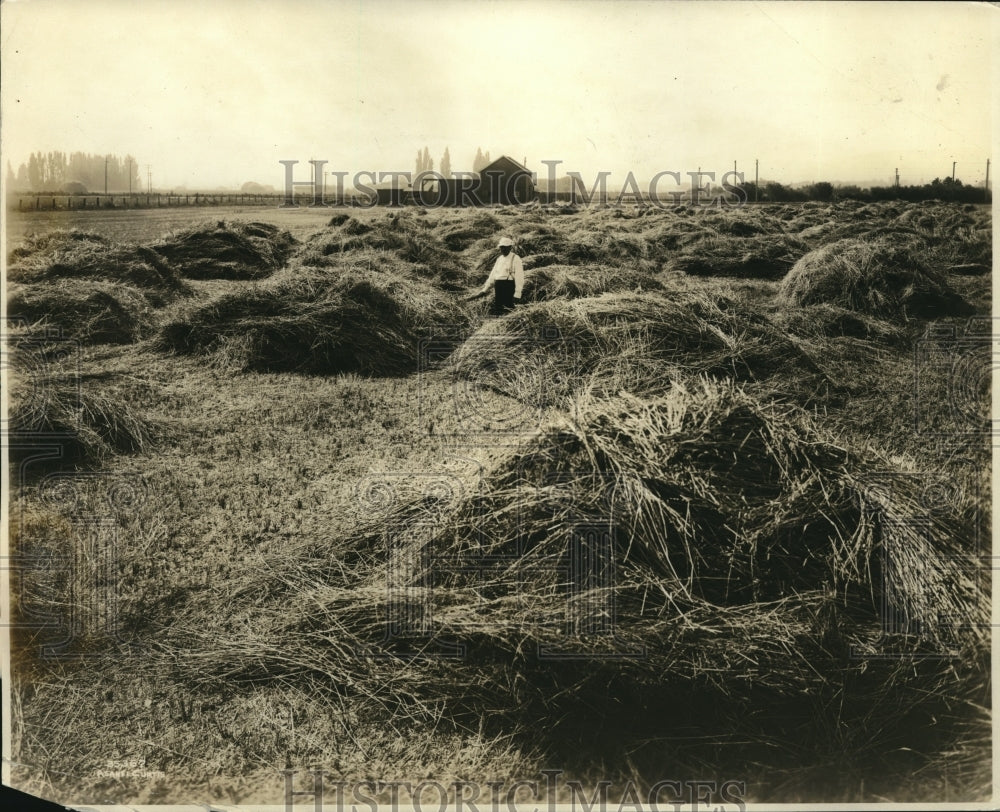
{"x":948,"y":190}
{"x":425,"y":163}
{"x":75,"y":172}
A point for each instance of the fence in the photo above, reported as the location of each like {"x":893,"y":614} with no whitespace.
{"x":49,"y":201}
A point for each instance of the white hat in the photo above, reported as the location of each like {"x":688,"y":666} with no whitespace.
{"x":505,"y":241}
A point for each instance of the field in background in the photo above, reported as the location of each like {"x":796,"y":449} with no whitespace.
{"x":256,"y":436}
{"x":138,"y":225}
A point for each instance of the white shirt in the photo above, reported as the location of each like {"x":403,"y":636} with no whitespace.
{"x":507,"y":267}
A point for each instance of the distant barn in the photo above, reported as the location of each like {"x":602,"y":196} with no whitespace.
{"x":503,"y":182}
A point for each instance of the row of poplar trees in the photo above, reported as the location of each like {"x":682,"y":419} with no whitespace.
{"x":425,"y":163}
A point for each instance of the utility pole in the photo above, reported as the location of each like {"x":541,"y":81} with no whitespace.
{"x":897,"y":177}
{"x":986,"y":186}
{"x":105,"y":174}
{"x":953,"y":170}
{"x":756,"y":179}
{"x":129,"y":162}
{"x":149,"y":180}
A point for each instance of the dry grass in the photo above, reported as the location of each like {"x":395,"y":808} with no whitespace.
{"x":824,"y":320}
{"x":82,"y":256}
{"x":575,"y":281}
{"x":59,"y":408}
{"x":753,"y":544}
{"x":94,"y":311}
{"x":388,"y":241}
{"x":756,"y":257}
{"x":877,"y":277}
{"x":354,"y":318}
{"x":230,"y":250}
{"x":545,"y":352}
{"x":741,"y":563}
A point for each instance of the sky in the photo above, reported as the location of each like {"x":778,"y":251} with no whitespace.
{"x":217,"y":92}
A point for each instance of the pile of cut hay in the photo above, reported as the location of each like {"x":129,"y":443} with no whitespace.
{"x":878,"y":277}
{"x":59,"y":409}
{"x":668,"y":233}
{"x":757,"y":257}
{"x":537,"y":245}
{"x":319,"y":320}
{"x":685,"y":557}
{"x":93,"y":311}
{"x":542,"y":245}
{"x":81,"y":256}
{"x":463,"y":233}
{"x":393,"y":237}
{"x":575,"y":281}
{"x":230,"y":250}
{"x":820,"y":321}
{"x":547,"y":351}
{"x":51,"y":242}
{"x":605,"y":247}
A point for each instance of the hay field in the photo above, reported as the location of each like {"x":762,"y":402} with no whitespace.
{"x":713,"y":503}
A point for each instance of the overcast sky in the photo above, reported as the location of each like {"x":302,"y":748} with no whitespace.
{"x":216,"y":92}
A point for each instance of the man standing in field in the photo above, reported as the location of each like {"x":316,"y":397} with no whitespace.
{"x":507,"y":277}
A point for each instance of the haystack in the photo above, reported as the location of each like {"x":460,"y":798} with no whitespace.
{"x":93,"y":311}
{"x":549,"y":350}
{"x":757,"y":257}
{"x":467,"y":229}
{"x":830,"y":321}
{"x":684,"y":557}
{"x":229,"y":250}
{"x":401,"y":236}
{"x":575,"y":281}
{"x":318,"y":320}
{"x":50,"y":242}
{"x":59,"y":410}
{"x":878,"y":277}
{"x":79,"y":255}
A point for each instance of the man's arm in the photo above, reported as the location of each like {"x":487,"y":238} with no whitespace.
{"x":518,"y":277}
{"x":490,"y":279}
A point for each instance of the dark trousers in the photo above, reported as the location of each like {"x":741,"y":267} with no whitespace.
{"x":503,"y":301}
